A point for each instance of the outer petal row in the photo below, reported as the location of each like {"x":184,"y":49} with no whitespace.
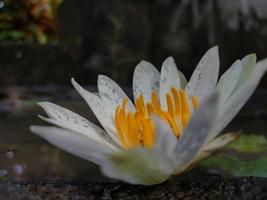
{"x":108,"y":87}
{"x":136,"y":166}
{"x":237,"y":100}
{"x":229,"y":80}
{"x":77,"y":144}
{"x":102,"y":112}
{"x":169,"y":77}
{"x":204,"y":79}
{"x":145,"y":80}
{"x":67,"y":119}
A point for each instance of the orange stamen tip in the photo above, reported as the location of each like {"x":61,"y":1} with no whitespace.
{"x":195,"y":102}
{"x":137,"y":128}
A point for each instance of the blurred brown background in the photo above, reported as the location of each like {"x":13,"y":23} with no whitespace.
{"x":48,"y":41}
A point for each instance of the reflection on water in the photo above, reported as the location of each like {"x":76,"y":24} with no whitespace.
{"x":35,"y":155}
{"x":38,"y":159}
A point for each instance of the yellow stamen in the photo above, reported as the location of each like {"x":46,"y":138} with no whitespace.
{"x":194,"y":102}
{"x":139,"y":129}
{"x":118,"y":127}
{"x":133,"y":137}
{"x":150,"y":108}
{"x":185,"y":107}
{"x":155,"y":100}
{"x":177,"y":100}
{"x":169,"y":104}
{"x":140,"y":105}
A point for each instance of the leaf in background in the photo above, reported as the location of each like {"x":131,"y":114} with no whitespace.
{"x":247,"y":156}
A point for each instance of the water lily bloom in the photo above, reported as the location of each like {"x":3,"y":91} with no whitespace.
{"x":171,"y":125}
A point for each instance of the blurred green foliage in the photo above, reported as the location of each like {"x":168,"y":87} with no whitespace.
{"x":244,"y":157}
{"x":28,"y":20}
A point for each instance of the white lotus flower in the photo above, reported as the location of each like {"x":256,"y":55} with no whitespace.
{"x":172,"y":125}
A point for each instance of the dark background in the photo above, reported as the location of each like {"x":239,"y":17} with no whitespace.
{"x":112,"y":36}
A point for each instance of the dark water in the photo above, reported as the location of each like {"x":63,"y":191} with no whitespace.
{"x":42,"y":160}
{"x":38,"y":158}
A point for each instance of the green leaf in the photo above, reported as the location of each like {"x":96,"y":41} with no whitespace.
{"x":247,"y":156}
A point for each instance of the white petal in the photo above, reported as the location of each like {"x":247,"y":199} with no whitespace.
{"x":73,"y":143}
{"x":248,"y":64}
{"x":195,"y":134}
{"x":101,"y":111}
{"x":204,"y":79}
{"x":182,"y":79}
{"x":109,"y":87}
{"x":213,"y":146}
{"x":64,"y":115}
{"x":145,"y":80}
{"x":229,"y":80}
{"x":97,"y":135}
{"x":221,"y":141}
{"x":239,"y":98}
{"x":138,"y":166}
{"x":165,"y":138}
{"x":169,"y":77}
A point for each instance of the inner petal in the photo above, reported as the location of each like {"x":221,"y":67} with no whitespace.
{"x":138,"y":128}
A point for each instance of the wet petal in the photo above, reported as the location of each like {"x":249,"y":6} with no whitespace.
{"x":95,"y":134}
{"x":145,"y":80}
{"x":239,"y":98}
{"x":74,"y":143}
{"x":101,"y":111}
{"x":107,"y":86}
{"x":204,"y":78}
{"x":71,"y":119}
{"x":229,"y":80}
{"x":248,"y":63}
{"x":169,"y":77}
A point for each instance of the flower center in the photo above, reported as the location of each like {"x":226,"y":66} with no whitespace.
{"x":137,"y":128}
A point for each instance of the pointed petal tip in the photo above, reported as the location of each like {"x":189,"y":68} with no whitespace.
{"x":216,"y":48}
{"x":39,"y":130}
{"x":168,"y":62}
{"x":251,"y":56}
{"x":170,"y":58}
{"x":100,"y":76}
{"x":43,"y":103}
{"x":142,"y":66}
{"x":213,"y":50}
{"x":42,"y":117}
{"x":35,"y":129}
{"x":73,"y":81}
{"x":75,"y":84}
{"x":143,"y":63}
